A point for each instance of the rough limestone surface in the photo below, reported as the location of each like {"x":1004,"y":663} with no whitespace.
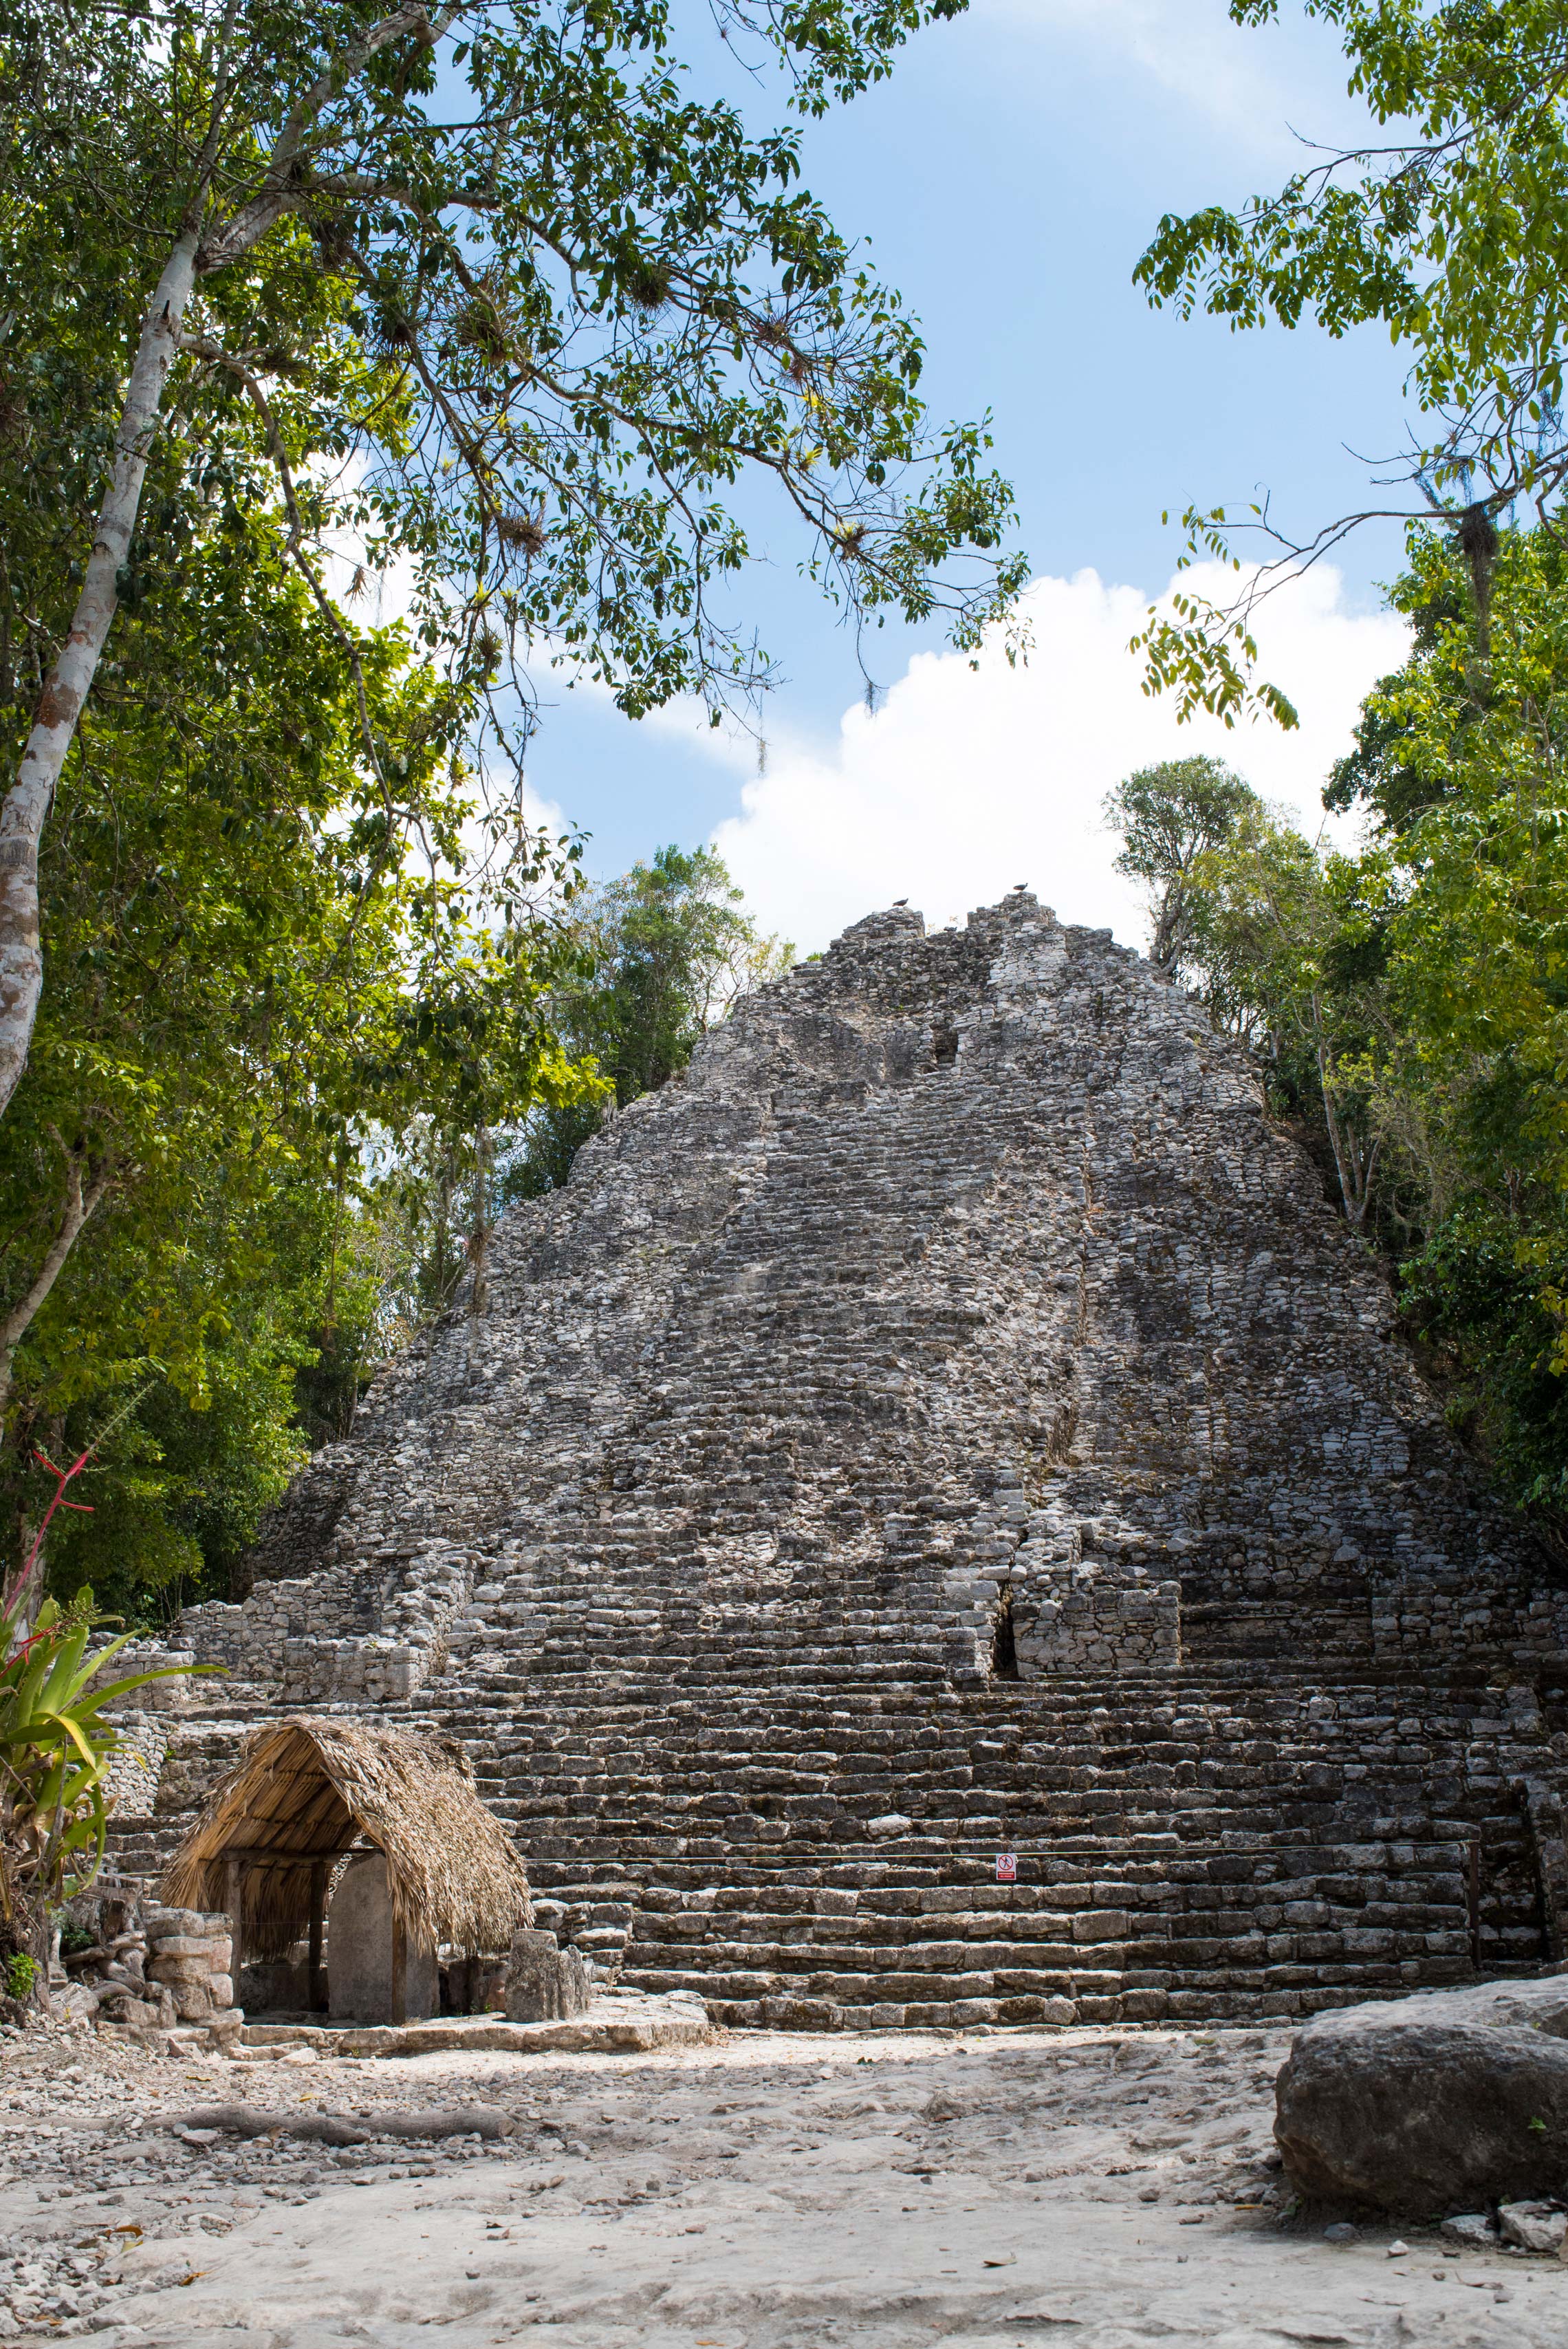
{"x":621,"y":2022}
{"x":1433,"y":2104}
{"x":544,"y":1982}
{"x":949,"y":1421}
{"x":1106,"y":2188}
{"x":360,"y":1947}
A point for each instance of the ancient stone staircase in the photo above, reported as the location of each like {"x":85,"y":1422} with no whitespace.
{"x":1193,"y":1844}
{"x":1185,"y":1845}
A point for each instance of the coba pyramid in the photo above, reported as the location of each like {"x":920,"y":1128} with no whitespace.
{"x":936,"y":1523}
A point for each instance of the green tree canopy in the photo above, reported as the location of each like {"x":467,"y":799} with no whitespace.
{"x":1409,"y":1003}
{"x":665,"y":950}
{"x":1168,"y":816}
{"x":491,"y":293}
{"x":661,"y":954}
{"x":1449,"y":230}
{"x":1460,"y":766}
{"x":264,"y":966}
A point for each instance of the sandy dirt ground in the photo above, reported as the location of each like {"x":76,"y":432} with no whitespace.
{"x":1102,"y":2189}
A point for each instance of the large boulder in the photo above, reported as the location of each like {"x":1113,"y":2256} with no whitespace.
{"x":1438,"y":2102}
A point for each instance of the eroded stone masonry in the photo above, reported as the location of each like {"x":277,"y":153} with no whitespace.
{"x":949,"y":1421}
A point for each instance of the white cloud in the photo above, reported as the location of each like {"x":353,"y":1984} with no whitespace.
{"x":1253,"y":80}
{"x":965,"y":783}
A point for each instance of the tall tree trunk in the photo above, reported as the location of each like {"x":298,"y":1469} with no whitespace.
{"x":479,"y":1245}
{"x":80,"y":1202}
{"x":66,"y":689}
{"x":1355,"y":1172}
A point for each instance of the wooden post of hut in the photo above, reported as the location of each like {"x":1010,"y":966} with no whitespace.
{"x":400,"y":1969}
{"x":316,"y":1993}
{"x":234,"y":1902}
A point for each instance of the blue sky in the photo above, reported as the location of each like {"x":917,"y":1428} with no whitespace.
{"x":1007,"y":177}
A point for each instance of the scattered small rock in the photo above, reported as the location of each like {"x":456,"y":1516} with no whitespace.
{"x":1534,"y":2226}
{"x":1472,"y":2228}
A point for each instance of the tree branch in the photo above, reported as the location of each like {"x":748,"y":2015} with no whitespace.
{"x":281,"y":191}
{"x":79,"y":1205}
{"x":199,"y":347}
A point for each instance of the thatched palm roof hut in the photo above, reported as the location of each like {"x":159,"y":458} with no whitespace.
{"x":305,"y":1791}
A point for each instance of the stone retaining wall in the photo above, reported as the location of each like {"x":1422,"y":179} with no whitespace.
{"x":188,"y":1954}
{"x":348,"y":1637}
{"x":1087,"y":1619}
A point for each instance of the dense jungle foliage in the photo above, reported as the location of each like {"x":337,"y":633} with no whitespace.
{"x":238,"y":1289}
{"x":1408,"y":1001}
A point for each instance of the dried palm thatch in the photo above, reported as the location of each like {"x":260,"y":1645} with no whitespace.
{"x":305,"y":1790}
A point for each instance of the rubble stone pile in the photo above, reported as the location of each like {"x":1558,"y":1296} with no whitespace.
{"x":949,"y":1426}
{"x":190,"y":1957}
{"x":140,"y":1968}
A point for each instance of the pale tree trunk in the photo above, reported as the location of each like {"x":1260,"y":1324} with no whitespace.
{"x":80,"y":1202}
{"x":1355,"y":1172}
{"x":479,"y":1245}
{"x":25,"y":808}
{"x":27,"y":804}
{"x":1169,"y":921}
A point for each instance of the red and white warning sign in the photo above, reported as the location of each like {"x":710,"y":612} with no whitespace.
{"x":1007,"y":1867}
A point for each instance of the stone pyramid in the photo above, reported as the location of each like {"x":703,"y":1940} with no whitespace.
{"x":936,"y":1523}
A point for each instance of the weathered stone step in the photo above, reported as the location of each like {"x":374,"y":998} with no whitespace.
{"x":1172,"y":1838}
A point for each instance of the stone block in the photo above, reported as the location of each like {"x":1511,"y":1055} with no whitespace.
{"x":176,"y":1970}
{"x":360,"y":1951}
{"x":185,"y":1945}
{"x":543,"y":1982}
{"x":784,"y":2014}
{"x":159,"y":1924}
{"x":1101,"y":1925}
{"x":1454,"y":2098}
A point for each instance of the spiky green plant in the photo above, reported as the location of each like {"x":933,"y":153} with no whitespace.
{"x":55,"y":1746}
